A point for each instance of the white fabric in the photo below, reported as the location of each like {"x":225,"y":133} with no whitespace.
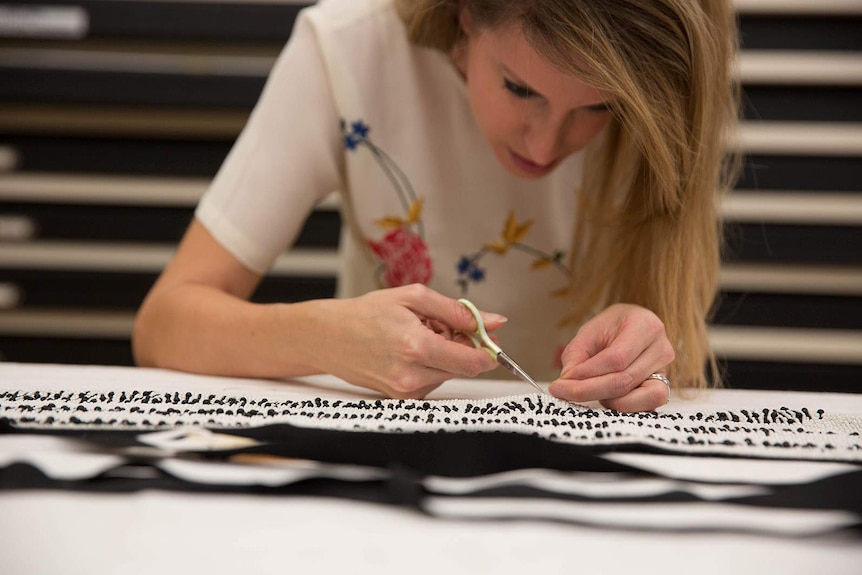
{"x":821,"y":427}
{"x":350,"y":60}
{"x":755,"y":430}
{"x":47,"y":532}
{"x":165,"y":532}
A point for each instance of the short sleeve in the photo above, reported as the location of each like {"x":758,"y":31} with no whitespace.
{"x":287,"y":158}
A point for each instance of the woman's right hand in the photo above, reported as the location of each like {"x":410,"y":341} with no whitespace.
{"x":400,"y":341}
{"x":403,"y":341}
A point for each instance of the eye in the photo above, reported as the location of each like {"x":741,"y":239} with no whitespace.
{"x":517,"y":90}
{"x":600,"y":108}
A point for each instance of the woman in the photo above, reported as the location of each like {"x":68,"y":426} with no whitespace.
{"x":558,"y":161}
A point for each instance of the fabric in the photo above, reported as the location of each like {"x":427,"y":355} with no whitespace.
{"x":619,"y":498}
{"x":463,"y":475}
{"x":758,"y":431}
{"x":731,"y":461}
{"x":352,"y":106}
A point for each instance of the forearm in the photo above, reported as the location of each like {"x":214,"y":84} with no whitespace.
{"x":201,"y":329}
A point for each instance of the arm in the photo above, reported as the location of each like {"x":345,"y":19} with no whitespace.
{"x":197,"y":318}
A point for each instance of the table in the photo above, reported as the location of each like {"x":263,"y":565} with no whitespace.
{"x":52,"y":531}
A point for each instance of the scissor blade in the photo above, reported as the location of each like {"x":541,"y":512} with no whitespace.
{"x":513,"y":367}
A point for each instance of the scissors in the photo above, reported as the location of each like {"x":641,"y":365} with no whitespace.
{"x":481,"y":340}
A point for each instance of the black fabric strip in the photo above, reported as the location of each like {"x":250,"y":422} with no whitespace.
{"x":26,"y":476}
{"x":459,"y":454}
{"x":842,"y":492}
{"x":839,"y":492}
{"x":515,"y":491}
{"x":852,"y":532}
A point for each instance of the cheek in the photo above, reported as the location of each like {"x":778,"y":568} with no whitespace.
{"x":497,"y":119}
{"x":492,"y":109}
{"x":583,"y":132}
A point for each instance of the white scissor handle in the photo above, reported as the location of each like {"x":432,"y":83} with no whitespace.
{"x":480,"y":337}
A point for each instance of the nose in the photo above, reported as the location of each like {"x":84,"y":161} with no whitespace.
{"x":543,"y":140}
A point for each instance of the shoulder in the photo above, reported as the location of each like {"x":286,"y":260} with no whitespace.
{"x":340,"y":15}
{"x":361,"y":38}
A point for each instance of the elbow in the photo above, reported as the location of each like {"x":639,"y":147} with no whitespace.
{"x":143,"y":352}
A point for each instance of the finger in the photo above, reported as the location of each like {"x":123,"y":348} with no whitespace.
{"x":611,"y":385}
{"x":420,"y":382}
{"x":459,"y":358}
{"x":619,"y":353}
{"x":646,"y":397}
{"x":423,"y":348}
{"x":440,"y":328}
{"x":440,"y":360}
{"x":430,"y":304}
{"x":579,"y":350}
{"x":591,"y":339}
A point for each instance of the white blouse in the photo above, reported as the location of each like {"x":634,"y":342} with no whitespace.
{"x":352,"y":106}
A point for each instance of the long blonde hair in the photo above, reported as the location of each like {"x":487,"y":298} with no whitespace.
{"x":648,"y":230}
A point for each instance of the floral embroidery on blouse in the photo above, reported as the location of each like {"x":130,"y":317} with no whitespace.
{"x":402,"y":252}
{"x":470,"y":271}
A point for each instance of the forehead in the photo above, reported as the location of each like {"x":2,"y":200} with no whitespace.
{"x":508,"y":48}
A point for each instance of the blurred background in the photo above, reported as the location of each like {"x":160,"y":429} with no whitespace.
{"x":115,"y":114}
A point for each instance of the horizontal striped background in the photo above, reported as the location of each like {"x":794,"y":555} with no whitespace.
{"x":114,"y":115}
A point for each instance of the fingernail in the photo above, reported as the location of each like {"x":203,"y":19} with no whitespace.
{"x":495,"y":317}
{"x":567,"y":373}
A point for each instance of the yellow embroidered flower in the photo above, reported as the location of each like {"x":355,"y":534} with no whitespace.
{"x":513,"y":233}
{"x":414,"y":214}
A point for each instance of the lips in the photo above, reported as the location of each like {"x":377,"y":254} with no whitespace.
{"x":529,"y":167}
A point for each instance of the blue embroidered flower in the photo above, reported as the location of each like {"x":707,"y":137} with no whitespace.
{"x":469,"y":271}
{"x":350,"y":142}
{"x":357,"y":134}
{"x":360,"y":129}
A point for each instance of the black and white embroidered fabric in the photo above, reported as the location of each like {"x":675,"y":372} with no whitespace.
{"x":505,"y":456}
{"x":759,"y":431}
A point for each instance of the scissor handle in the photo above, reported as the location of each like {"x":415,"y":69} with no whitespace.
{"x":480,"y":337}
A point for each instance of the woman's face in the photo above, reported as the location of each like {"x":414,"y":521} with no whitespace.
{"x":532,"y":114}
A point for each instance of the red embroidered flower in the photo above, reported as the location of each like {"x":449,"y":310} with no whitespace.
{"x":404,"y":256}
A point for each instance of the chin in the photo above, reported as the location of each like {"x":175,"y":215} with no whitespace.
{"x":526,"y":175}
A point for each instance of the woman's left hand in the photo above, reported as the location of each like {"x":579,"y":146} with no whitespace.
{"x":611,"y":358}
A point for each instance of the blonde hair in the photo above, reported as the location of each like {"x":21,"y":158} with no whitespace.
{"x":648,"y":230}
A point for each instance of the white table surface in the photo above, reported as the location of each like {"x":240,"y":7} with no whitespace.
{"x":170,"y":532}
